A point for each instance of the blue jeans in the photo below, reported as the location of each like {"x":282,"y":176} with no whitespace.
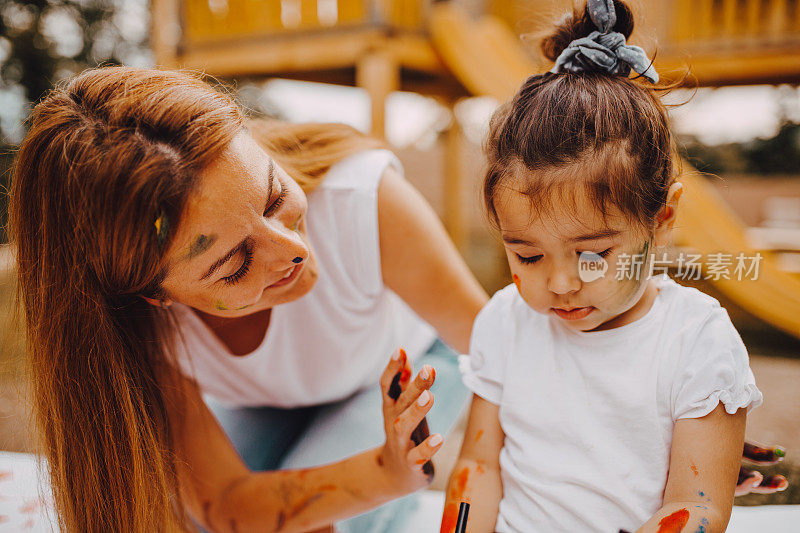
{"x":270,"y":438}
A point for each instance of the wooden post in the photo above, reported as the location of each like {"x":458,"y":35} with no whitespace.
{"x":379,"y":73}
{"x":165,"y":31}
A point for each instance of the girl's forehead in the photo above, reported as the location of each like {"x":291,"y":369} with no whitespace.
{"x":565,"y":216}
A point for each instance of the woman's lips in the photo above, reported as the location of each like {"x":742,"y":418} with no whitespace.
{"x":576,"y":313}
{"x":293,"y":275}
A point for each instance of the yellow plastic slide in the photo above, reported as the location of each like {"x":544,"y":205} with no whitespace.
{"x":488,"y":59}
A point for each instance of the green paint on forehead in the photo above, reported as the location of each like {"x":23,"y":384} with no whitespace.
{"x":200,"y":244}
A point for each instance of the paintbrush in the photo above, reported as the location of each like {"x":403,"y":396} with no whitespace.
{"x":421,"y":432}
{"x":463,"y":514}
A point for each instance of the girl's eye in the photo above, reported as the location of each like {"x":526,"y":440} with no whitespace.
{"x":604,"y":253}
{"x":528,"y":260}
{"x":274,"y":206}
{"x":239,"y":274}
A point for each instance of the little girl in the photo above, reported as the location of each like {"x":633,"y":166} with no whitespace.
{"x":604,"y":398}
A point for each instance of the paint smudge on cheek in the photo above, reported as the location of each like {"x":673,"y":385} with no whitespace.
{"x":674,"y":523}
{"x":296,"y":225}
{"x":243,"y":307}
{"x":517,"y":282}
{"x":449,"y":518}
{"x":220,"y":305}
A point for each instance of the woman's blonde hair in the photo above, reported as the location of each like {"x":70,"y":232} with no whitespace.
{"x":110,"y":152}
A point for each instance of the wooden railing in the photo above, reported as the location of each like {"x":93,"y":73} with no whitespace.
{"x":210,"y":21}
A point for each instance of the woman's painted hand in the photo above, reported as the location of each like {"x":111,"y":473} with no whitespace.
{"x":406,"y":455}
{"x":753,"y":480}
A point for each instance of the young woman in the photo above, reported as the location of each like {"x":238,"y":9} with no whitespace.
{"x":169,"y":247}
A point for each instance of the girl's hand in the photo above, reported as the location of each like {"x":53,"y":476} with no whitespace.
{"x":404,"y":408}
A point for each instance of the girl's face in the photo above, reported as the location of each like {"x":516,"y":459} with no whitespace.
{"x":550,"y":257}
{"x":241,"y":246}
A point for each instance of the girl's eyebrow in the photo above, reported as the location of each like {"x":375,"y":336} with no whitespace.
{"x":580,"y":238}
{"x":233,"y":251}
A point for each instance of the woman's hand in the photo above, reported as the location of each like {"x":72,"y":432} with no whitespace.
{"x":408,"y":449}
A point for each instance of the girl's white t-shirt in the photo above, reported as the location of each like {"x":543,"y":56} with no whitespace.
{"x":588,"y":416}
{"x":336,"y":339}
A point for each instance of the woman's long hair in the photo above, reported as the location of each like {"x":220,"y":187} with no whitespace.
{"x":98,"y":188}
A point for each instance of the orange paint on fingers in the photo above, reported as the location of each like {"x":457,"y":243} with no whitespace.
{"x":449,"y":518}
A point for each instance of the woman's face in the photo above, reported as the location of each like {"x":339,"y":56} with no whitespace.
{"x":241,"y":246}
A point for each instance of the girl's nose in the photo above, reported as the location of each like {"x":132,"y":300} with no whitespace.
{"x":563,"y":279}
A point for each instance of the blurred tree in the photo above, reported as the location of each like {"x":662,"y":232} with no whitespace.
{"x":44,"y":41}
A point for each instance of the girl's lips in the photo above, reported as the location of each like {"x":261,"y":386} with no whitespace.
{"x":573,"y":314}
{"x":290,"y":278}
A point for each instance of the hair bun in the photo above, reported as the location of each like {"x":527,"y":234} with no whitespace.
{"x":579,"y":24}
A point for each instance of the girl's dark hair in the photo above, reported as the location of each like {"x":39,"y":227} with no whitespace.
{"x":612,"y":131}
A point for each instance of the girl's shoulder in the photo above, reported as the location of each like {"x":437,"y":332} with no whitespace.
{"x":689,"y":308}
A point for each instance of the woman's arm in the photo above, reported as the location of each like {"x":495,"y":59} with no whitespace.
{"x":421,"y":264}
{"x":221,"y":493}
{"x":703,"y":467}
{"x":476,"y":476}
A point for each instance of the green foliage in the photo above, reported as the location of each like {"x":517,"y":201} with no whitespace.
{"x":777,"y":155}
{"x":44,"y":41}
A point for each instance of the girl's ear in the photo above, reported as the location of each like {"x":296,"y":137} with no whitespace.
{"x":667,"y":215}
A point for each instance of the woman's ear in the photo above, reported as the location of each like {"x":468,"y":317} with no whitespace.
{"x":665,"y":218}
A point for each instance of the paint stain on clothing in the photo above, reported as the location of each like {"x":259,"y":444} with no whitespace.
{"x":674,"y":523}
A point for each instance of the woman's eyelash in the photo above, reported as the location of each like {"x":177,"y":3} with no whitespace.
{"x":239,"y":274}
{"x":274,"y":206}
{"x":528,"y":260}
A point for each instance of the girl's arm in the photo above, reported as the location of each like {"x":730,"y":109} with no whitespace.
{"x":223,"y":495}
{"x":421,"y":264}
{"x":476,"y":476}
{"x":703,"y":467}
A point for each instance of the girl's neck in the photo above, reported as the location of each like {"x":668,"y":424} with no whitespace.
{"x":639,"y":309}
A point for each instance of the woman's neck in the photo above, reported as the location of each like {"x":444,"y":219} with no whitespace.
{"x":240,"y":335}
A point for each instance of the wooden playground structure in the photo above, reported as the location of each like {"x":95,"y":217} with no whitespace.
{"x":452,"y":49}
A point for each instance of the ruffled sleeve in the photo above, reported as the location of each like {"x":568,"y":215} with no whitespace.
{"x":714,"y":368}
{"x":483,"y":369}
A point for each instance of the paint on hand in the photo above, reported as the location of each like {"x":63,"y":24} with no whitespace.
{"x":674,"y":523}
{"x":478,"y":435}
{"x":759,"y":454}
{"x":220,"y":305}
{"x":421,"y":432}
{"x":771,"y":484}
{"x":695,"y":471}
{"x":449,"y":518}
{"x":517,"y":281}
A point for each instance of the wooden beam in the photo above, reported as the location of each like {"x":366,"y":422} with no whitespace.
{"x":378,"y":71}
